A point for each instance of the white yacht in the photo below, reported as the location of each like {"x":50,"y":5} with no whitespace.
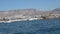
{"x":33,"y":18}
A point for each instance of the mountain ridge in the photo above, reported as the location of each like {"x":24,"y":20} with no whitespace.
{"x":29,"y":12}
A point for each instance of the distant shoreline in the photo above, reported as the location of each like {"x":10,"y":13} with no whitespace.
{"x":18,"y":20}
{"x":24,"y":20}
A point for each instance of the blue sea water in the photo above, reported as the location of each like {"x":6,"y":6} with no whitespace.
{"x":48,"y":26}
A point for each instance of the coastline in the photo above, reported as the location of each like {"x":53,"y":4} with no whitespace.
{"x":23,"y":19}
{"x":18,"y":20}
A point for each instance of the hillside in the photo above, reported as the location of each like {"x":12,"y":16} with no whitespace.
{"x":56,"y":11}
{"x":28,"y":12}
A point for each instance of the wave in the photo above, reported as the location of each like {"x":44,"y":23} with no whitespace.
{"x":18,"y":20}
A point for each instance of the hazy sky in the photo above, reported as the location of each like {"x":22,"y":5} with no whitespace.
{"x":24,"y":4}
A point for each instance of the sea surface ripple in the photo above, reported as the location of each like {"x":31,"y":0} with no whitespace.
{"x":48,"y":26}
